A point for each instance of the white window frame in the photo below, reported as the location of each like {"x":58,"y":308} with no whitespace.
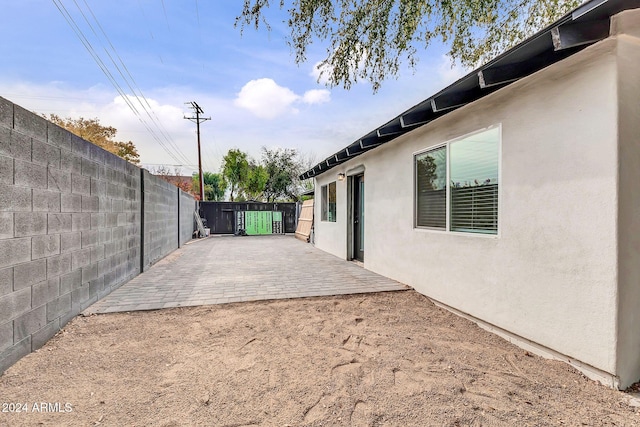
{"x":447,"y":144}
{"x":324,"y":202}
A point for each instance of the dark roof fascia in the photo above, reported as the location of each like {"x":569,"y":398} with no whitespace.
{"x":576,"y":30}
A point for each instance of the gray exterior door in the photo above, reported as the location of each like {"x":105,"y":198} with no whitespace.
{"x":358,"y":217}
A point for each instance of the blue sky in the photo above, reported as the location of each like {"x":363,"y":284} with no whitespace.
{"x":189,"y":50}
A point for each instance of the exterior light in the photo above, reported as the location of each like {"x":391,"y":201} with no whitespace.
{"x":341,"y":176}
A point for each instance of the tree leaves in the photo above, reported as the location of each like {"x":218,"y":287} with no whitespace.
{"x":235,"y":170}
{"x":372,"y":39}
{"x":102,"y":136}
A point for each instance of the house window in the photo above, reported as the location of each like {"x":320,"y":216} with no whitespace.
{"x":329,"y":202}
{"x":457,"y":184}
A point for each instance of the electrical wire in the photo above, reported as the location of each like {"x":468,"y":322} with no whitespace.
{"x":107,"y":72}
{"x":148,"y":109}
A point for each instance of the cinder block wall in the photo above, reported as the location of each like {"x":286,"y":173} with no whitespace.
{"x":187,"y":206}
{"x":160,"y":218}
{"x":70,"y":227}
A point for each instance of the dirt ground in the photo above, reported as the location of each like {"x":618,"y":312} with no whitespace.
{"x":388,"y":359}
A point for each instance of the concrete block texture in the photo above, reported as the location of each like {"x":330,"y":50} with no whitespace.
{"x":81,"y":147}
{"x":70,"y":242}
{"x":6,"y":113}
{"x":58,"y":136}
{"x":58,"y":307}
{"x":29,"y":273}
{"x":45,"y":292}
{"x":39,"y":338}
{"x":6,"y":170}
{"x":45,"y":246}
{"x":6,"y":281}
{"x":15,"y":353}
{"x":30,"y":223}
{"x":187,"y":224}
{"x":161,"y":218}
{"x":45,"y":154}
{"x":70,"y":203}
{"x":6,"y":225}
{"x":26,"y":122}
{"x":80,"y":184}
{"x":80,"y":221}
{"x":15,"y":199}
{"x":15,"y":304}
{"x":46,"y":201}
{"x":58,"y":223}
{"x":15,"y":251}
{"x":71,"y":162}
{"x":70,"y":281}
{"x":80,"y":258}
{"x":6,"y":335}
{"x":70,"y":227}
{"x":29,"y":323}
{"x":59,"y":180}
{"x":27,"y":174}
{"x":58,"y":265}
{"x":15,"y":145}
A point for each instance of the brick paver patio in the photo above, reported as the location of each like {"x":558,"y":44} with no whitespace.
{"x":224,"y":269}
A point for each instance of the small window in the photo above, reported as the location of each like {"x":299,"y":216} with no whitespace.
{"x":458,"y":182}
{"x":431,"y":176}
{"x":328,"y":194}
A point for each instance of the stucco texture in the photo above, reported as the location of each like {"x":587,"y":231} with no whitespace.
{"x":551,"y":274}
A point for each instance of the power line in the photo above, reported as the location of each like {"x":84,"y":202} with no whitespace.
{"x":155,"y":118}
{"x":197,"y":120}
{"x":164,"y":9}
{"x":107,"y":72}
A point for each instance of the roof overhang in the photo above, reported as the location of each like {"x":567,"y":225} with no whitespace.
{"x":587,"y":24}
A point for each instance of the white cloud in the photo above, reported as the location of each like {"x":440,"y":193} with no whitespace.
{"x":266,"y":99}
{"x":316,"y":96}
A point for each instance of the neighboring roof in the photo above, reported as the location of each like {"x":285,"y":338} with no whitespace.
{"x":586,"y":25}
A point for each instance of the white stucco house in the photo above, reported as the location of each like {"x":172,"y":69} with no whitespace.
{"x":512,"y":197}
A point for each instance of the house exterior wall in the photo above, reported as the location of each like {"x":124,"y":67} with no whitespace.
{"x":628,"y":55}
{"x":550,"y":275}
{"x":331,"y":236}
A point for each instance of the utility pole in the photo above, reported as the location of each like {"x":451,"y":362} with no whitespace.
{"x":197,"y":120}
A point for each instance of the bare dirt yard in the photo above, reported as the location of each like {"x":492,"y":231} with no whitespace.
{"x":388,"y":359}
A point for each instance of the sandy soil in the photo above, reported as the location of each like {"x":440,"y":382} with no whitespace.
{"x":389,"y":359}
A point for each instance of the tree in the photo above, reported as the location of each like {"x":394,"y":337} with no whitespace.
{"x":102,"y":136}
{"x":283,"y":167}
{"x":235,"y":170}
{"x":256,"y":182}
{"x":176,"y":178}
{"x":370,"y":39}
{"x":213,"y":186}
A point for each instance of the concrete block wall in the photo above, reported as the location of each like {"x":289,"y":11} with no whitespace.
{"x":70,"y":227}
{"x":160,"y":218}
{"x":186,"y":207}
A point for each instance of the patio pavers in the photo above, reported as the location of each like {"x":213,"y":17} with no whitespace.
{"x":225,"y":269}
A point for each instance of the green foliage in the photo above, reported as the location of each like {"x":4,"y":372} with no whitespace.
{"x":371,"y":39}
{"x":214,"y":186}
{"x":235,"y":171}
{"x":256,"y":181}
{"x":274,"y":178}
{"x":283,"y":167}
{"x":102,"y":136}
